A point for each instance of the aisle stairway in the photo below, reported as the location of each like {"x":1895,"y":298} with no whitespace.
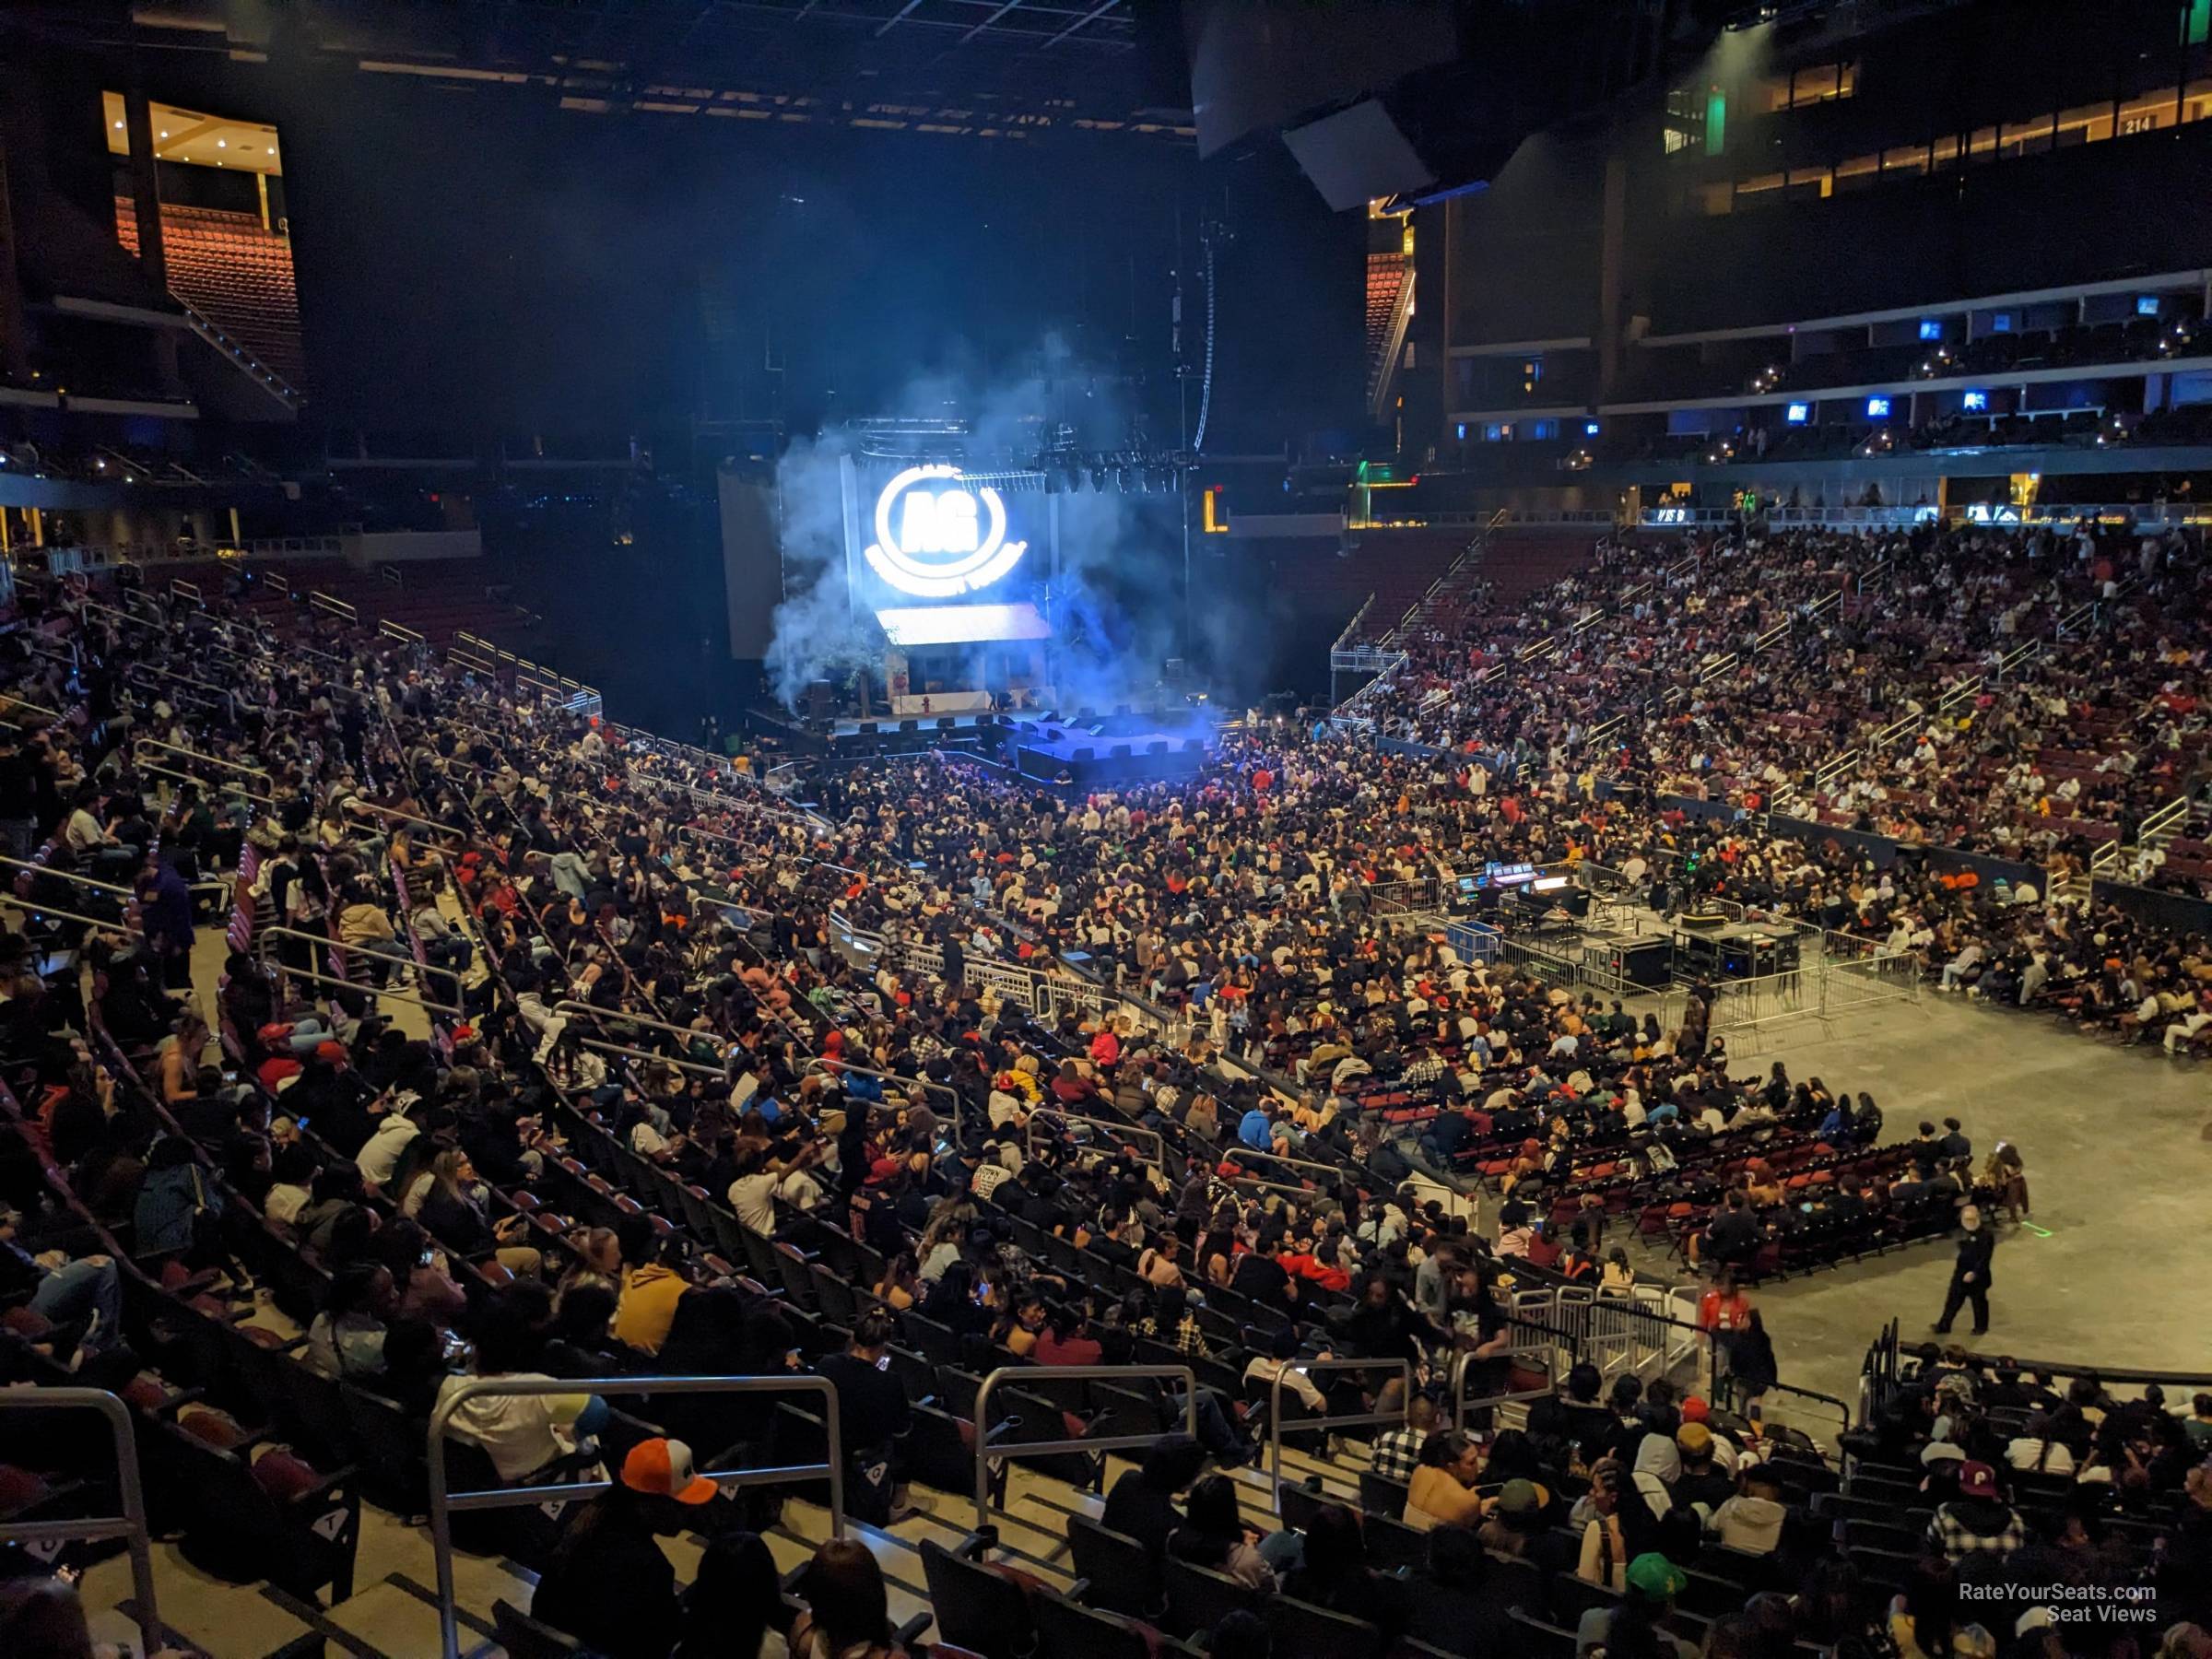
{"x":393,"y":1607}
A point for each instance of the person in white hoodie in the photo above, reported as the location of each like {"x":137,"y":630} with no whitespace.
{"x":1752,"y":1520}
{"x":379,"y":1157}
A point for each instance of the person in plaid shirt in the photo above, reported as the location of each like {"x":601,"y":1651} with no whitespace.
{"x":1398,"y":1452}
{"x":1978,"y":1520}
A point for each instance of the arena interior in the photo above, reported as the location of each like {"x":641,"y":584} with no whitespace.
{"x":1112,"y":829}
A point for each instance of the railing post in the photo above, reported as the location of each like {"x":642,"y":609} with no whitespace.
{"x":444,"y":1504}
{"x":130,"y":1491}
{"x":984,"y":1451}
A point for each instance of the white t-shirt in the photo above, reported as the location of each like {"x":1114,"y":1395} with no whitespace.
{"x":753,"y":1197}
{"x":520,"y":1434}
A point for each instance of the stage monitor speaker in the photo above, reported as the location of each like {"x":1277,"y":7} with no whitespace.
{"x":910,"y":725}
{"x":1120,"y":751}
{"x":946,"y":723}
{"x":1084,"y":754}
{"x":867,"y":728}
{"x":1159,"y":745}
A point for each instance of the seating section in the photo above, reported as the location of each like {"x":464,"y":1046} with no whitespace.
{"x":234,"y":272}
{"x":541,"y":1046}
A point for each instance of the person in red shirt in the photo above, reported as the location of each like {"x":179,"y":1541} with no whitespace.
{"x":1067,"y":1339}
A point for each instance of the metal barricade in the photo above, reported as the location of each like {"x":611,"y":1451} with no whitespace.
{"x":985,"y":1452}
{"x":1357,"y":1420}
{"x":444,"y":1504}
{"x":130,"y":1526}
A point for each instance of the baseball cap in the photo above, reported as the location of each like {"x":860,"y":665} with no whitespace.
{"x":1694,"y":1438}
{"x":664,"y":1467}
{"x":1655,"y":1578}
{"x":1519,"y":1498}
{"x":1937,"y":1451}
{"x":1695,"y":1409}
{"x":1977,"y":1479}
{"x":882,"y":1169}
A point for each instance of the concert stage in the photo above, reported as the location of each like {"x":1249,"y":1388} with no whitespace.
{"x":1107,"y":751}
{"x":1085,"y":750}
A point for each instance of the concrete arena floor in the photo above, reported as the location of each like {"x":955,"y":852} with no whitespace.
{"x":2118,"y":1168}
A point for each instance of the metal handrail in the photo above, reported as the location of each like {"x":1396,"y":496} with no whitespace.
{"x":219,"y":784}
{"x":1362,"y":1420}
{"x":182,"y":679}
{"x":1117,"y":1127}
{"x":652,"y":1059}
{"x":985,"y":1450}
{"x":196,"y":755}
{"x":31,"y":908}
{"x":444,"y":1504}
{"x":1238,"y":1151}
{"x":356,"y":804}
{"x":328,"y":943}
{"x":130,"y":1526}
{"x":1460,"y":1363}
{"x":105,"y":886}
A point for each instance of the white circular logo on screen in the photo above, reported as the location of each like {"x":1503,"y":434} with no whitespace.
{"x":936,"y":537}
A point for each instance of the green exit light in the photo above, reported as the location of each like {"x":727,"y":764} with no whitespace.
{"x":1716,"y":115}
{"x":2196,"y":23}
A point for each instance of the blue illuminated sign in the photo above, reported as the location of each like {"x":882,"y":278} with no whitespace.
{"x":937,"y":538}
{"x":1975,"y":400}
{"x":2146,"y":305}
{"x":1797,"y":414}
{"x":1589,"y":428}
{"x":1877,"y":409}
{"x":1930,"y":329}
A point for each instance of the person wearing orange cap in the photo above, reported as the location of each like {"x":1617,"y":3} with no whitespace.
{"x":607,"y":1583}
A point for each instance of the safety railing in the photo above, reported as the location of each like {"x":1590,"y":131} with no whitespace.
{"x":444,"y":1505}
{"x":1537,"y":1353}
{"x":155,"y":743}
{"x":130,"y":1526}
{"x":224,"y":785}
{"x":358,"y":806}
{"x":1329,"y":1425}
{"x":326,"y":942}
{"x":1329,"y":1175}
{"x":986,"y":1453}
{"x":390,"y":630}
{"x":1042,"y":1119}
{"x":319,"y":600}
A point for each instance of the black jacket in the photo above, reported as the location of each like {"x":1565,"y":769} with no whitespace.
{"x":1974,"y":1253}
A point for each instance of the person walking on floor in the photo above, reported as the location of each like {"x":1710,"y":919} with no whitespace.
{"x":1969,"y":1273}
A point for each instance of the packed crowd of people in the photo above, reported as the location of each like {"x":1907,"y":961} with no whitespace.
{"x":477,"y":939}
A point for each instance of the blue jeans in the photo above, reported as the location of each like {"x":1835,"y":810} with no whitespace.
{"x":88,"y":1286}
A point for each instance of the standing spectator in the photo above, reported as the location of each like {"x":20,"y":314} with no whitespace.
{"x":1970,"y":1274}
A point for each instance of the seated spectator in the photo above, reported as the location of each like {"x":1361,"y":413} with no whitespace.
{"x":1213,"y":1536}
{"x":1441,"y":1491}
{"x":1752,"y":1520}
{"x":1631,"y":1626}
{"x":1978,"y":1519}
{"x":1141,"y":1504}
{"x":610,"y":1541}
{"x":848,"y":1606}
{"x":1396,"y":1453}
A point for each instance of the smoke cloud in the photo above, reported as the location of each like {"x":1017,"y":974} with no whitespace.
{"x":1117,"y":598}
